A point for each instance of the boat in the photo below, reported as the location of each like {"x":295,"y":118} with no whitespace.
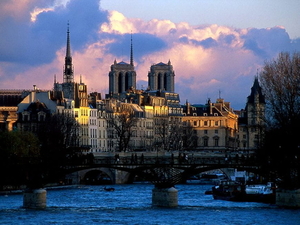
{"x":229,"y":191}
{"x":234,"y":191}
{"x":109,"y":189}
{"x":205,"y":179}
{"x":261,"y":193}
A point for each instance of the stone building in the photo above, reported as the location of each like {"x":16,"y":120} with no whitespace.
{"x":9,"y":100}
{"x":122,"y":76}
{"x":251,"y":119}
{"x":161,"y":77}
{"x":212,"y":126}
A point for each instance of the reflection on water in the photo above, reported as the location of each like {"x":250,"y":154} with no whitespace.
{"x":131,"y":204}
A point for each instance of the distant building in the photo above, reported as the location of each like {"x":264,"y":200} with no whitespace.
{"x":122,"y":76}
{"x":212,"y":126}
{"x":161,"y":77}
{"x":252,"y":119}
{"x":9,"y":100}
{"x":34,"y":110}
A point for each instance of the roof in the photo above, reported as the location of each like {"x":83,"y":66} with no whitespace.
{"x":161,"y":64}
{"x":122,"y":63}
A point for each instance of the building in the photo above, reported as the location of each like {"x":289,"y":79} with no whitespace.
{"x":212,"y":126}
{"x":75,"y":97}
{"x":161,"y":77}
{"x":251,"y":119}
{"x":122,"y":76}
{"x":9,"y":100}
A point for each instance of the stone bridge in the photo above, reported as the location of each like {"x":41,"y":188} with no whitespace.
{"x":161,"y":168}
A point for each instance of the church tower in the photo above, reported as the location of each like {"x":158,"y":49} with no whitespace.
{"x":122,"y":76}
{"x":161,"y":77}
{"x":72,"y":91}
{"x":68,"y":86}
{"x":68,"y":69}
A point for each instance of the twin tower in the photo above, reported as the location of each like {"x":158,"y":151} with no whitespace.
{"x":122,"y":76}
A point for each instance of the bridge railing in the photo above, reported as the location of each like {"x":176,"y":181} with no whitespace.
{"x":127,"y":160}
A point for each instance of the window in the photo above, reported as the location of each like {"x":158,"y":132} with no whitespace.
{"x":195,"y":123}
{"x":205,"y":142}
{"x":216,"y":142}
{"x":204,"y":114}
{"x":205,"y":123}
{"x":216,"y":131}
{"x":216,"y":123}
{"x":205,"y":131}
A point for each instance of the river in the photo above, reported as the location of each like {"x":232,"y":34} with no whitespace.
{"x":131,"y":204}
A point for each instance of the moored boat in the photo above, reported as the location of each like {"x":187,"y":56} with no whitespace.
{"x":233,"y":191}
{"x":229,"y":190}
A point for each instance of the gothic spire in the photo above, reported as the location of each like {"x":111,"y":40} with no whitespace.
{"x":131,"y":52}
{"x":68,"y":51}
{"x":68,"y":70}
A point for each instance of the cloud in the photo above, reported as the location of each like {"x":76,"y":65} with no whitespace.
{"x":207,"y":59}
{"x":36,"y":42}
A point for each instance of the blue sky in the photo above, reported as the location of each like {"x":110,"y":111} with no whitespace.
{"x":214,"y":46}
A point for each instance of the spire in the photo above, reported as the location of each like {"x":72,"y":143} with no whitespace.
{"x":131,"y":52}
{"x":68,"y":69}
{"x":68,"y":51}
{"x":256,"y":91}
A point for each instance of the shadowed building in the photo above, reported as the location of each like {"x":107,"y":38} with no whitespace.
{"x":9,"y":100}
{"x":251,"y":120}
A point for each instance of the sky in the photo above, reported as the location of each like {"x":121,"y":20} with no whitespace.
{"x":216,"y":47}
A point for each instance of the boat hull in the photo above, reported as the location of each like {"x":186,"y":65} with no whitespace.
{"x":231,"y":191}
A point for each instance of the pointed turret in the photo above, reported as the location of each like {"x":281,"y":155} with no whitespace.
{"x":256,"y":93}
{"x":68,"y":70}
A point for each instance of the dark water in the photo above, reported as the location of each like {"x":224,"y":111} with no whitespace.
{"x":131,"y":204}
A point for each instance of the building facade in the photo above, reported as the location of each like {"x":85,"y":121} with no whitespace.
{"x":212,"y":126}
{"x":161,"y":77}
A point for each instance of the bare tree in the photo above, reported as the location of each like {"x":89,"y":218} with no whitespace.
{"x":122,"y":124}
{"x":59,"y":133}
{"x":280,"y":81}
{"x":161,"y":127}
{"x":189,"y":137}
{"x":175,"y":136}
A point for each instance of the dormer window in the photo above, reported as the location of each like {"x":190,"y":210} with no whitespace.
{"x":204,"y":114}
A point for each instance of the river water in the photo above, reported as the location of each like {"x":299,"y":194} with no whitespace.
{"x":131,"y":204}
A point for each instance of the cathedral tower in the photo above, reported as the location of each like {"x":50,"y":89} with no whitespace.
{"x":161,"y":77}
{"x":122,"y":76}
